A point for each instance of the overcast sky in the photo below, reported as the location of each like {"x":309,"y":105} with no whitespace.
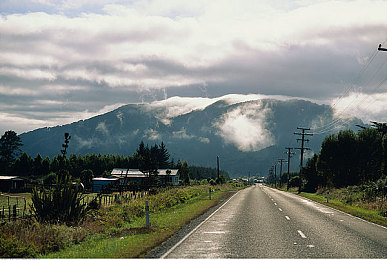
{"x":66,"y":60}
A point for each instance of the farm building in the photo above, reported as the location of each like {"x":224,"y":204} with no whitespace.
{"x":11,"y":183}
{"x":100,"y":183}
{"x":135,"y":176}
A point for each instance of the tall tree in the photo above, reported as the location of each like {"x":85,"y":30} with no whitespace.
{"x":184,"y":172}
{"x":10,"y":144}
{"x":163,"y":157}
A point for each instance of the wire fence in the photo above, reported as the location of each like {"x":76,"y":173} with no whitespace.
{"x":13,"y":207}
{"x":18,"y":207}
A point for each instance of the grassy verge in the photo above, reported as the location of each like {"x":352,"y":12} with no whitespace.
{"x":133,"y":240}
{"x":364,"y":210}
{"x":367,"y":214}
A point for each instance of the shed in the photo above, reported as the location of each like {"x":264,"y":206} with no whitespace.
{"x":99,"y":183}
{"x":12,"y":183}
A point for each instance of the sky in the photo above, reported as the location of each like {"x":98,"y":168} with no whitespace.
{"x":62,"y":60}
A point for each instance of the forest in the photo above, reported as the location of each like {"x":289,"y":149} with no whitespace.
{"x":84,"y":167}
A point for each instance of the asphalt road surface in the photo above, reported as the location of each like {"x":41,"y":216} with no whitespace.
{"x":260,"y":222}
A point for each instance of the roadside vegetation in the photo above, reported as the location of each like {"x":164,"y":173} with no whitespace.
{"x":353,"y":168}
{"x":116,"y":230}
{"x":65,"y":220}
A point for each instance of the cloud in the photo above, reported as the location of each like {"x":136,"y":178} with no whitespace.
{"x":182,"y":134}
{"x":151,"y":134}
{"x":367,"y":107}
{"x":204,"y":140}
{"x":76,"y":57}
{"x":245,"y":127}
{"x":101,"y":127}
{"x":176,"y":106}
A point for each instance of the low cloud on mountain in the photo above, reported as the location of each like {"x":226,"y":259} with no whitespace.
{"x":245,"y":127}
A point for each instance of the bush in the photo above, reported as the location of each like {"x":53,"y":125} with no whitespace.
{"x":60,"y":204}
{"x":294,"y":181}
{"x":11,"y":249}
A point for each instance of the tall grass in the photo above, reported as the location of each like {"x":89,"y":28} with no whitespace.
{"x":125,"y":218}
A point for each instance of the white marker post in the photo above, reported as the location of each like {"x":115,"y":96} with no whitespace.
{"x":147,"y":213}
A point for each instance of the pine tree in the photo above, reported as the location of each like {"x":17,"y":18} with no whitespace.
{"x":163,"y":157}
{"x":10,"y":146}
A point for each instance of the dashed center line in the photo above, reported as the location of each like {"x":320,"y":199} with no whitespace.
{"x":275,"y":203}
{"x":214,"y":232}
{"x":279,"y":209}
{"x":301,"y":234}
{"x":287,"y":217}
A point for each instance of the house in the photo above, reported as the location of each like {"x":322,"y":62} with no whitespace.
{"x":12,"y":183}
{"x":100,"y":183}
{"x":136,"y":177}
{"x":169,"y":176}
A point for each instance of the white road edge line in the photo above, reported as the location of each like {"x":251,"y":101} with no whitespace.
{"x":301,"y":234}
{"x":193,"y":230}
{"x":345,"y":213}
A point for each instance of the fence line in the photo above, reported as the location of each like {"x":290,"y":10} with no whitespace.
{"x":14,"y":209}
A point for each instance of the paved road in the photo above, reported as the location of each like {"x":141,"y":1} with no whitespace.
{"x":260,"y":222}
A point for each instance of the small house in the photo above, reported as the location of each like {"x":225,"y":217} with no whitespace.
{"x":136,"y":177}
{"x":12,"y":183}
{"x":99,"y":183}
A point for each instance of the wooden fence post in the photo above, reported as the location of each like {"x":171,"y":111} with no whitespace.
{"x":147,"y":214}
{"x":14,"y":213}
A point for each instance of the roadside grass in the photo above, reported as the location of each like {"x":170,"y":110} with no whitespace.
{"x":364,"y":210}
{"x":133,"y":240}
{"x":361,"y":212}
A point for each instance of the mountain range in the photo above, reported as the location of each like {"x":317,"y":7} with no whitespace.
{"x":248,"y":136}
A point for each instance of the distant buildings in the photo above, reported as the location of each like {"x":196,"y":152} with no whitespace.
{"x":134,"y":178}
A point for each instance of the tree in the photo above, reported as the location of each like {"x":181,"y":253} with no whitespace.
{"x":23,"y":165}
{"x":313,"y":179}
{"x":10,"y":146}
{"x":87,"y":178}
{"x":147,"y":162}
{"x":163,"y":157}
{"x":38,"y":165}
{"x":370,"y":154}
{"x":184,"y":173}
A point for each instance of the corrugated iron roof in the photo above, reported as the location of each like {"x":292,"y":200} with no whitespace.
{"x":120,"y":172}
{"x":104,"y":179}
{"x":16,"y":178}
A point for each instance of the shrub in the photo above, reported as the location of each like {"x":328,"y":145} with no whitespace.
{"x":11,"y":249}
{"x":60,"y":204}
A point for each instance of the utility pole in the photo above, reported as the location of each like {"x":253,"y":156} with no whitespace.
{"x":289,"y":156}
{"x":275,"y":175}
{"x":302,"y":148}
{"x":271,"y":171}
{"x":281,"y":161}
{"x":217,"y":163}
{"x":381,"y":49}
